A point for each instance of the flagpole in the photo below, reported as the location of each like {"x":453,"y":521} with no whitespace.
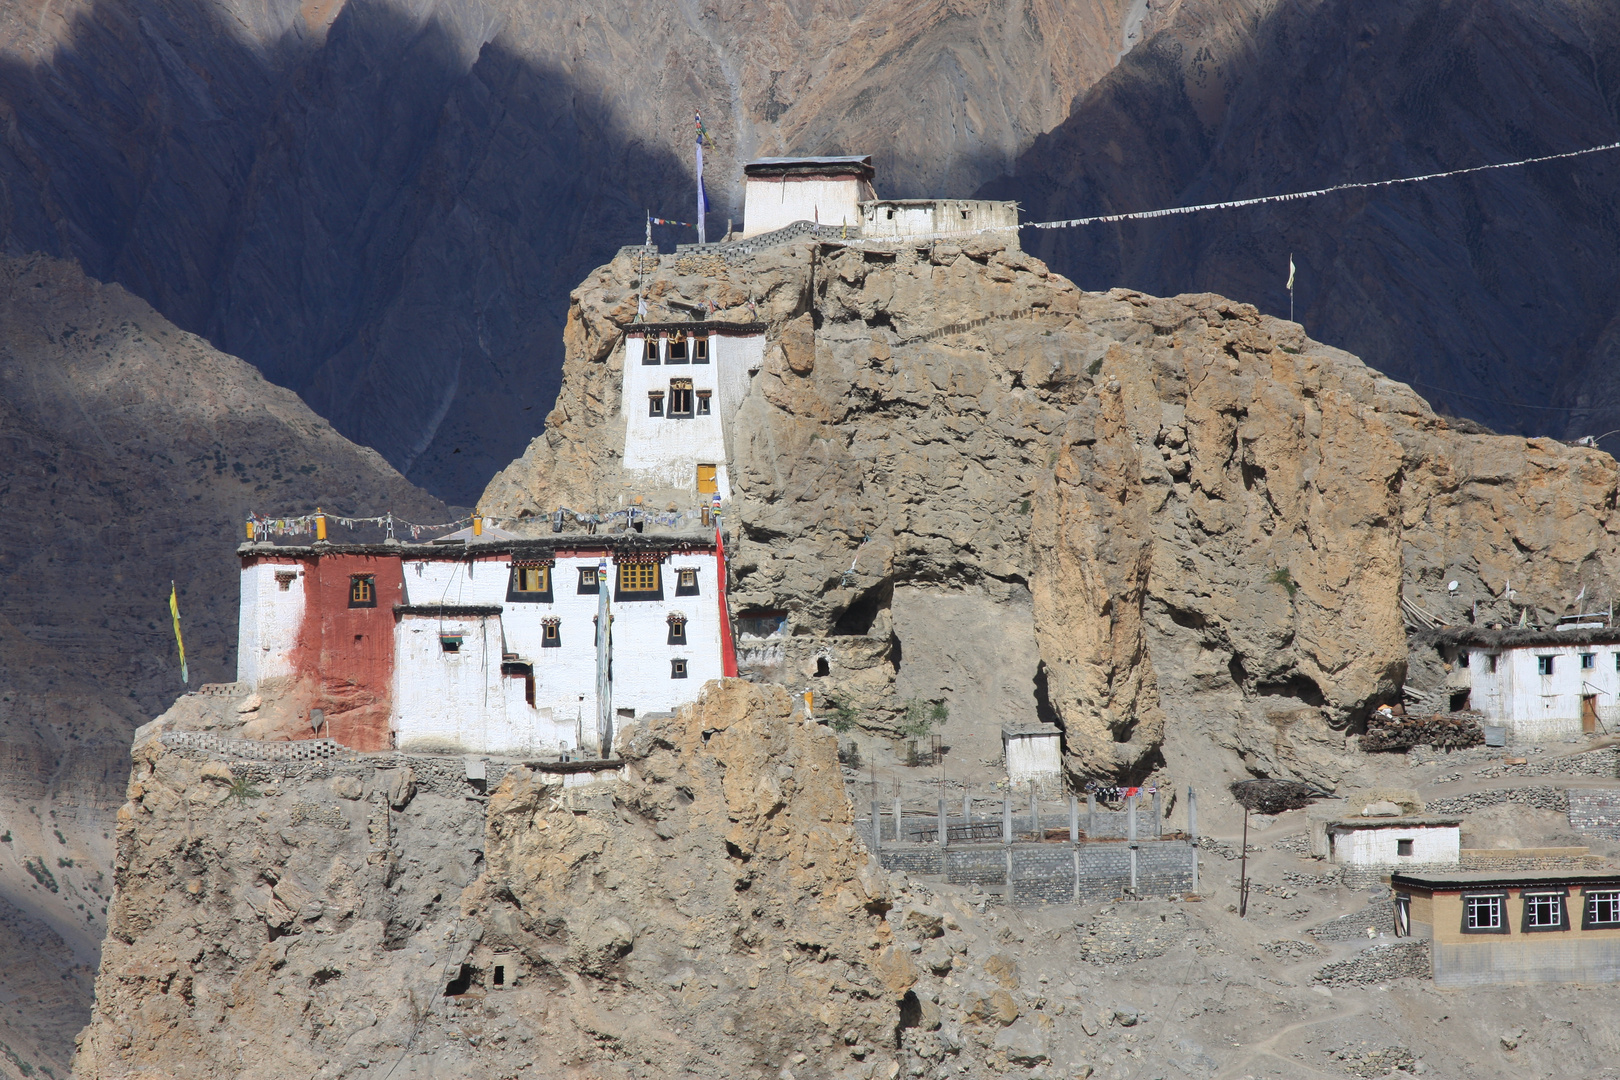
{"x":1290,"y":286}
{"x":702,"y":210}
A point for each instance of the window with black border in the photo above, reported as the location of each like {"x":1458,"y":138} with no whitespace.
{"x":530,"y":583}
{"x":649,"y":356}
{"x":677,"y":629}
{"x":551,"y":633}
{"x":362,"y":590}
{"x":680,"y":399}
{"x":677,"y":668}
{"x":1600,"y":909}
{"x":700,"y":348}
{"x":1485,"y":913}
{"x":703,"y":397}
{"x":677,"y":349}
{"x":589,"y":576}
{"x":639,"y":581}
{"x":686,"y":581}
{"x":655,"y":403}
{"x":1543,"y":911}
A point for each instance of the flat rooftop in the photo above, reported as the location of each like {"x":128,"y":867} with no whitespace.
{"x":691,"y":539}
{"x":1489,"y":879}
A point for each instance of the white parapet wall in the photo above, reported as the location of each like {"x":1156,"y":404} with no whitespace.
{"x":268,"y":621}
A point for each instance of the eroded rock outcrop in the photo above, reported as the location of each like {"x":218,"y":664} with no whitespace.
{"x":711,"y":910}
{"x":1199,"y":519}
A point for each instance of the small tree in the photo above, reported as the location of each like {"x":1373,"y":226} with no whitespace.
{"x":843,"y":716}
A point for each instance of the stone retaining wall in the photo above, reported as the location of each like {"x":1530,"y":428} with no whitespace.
{"x":1542,"y":798}
{"x":1595,"y":811}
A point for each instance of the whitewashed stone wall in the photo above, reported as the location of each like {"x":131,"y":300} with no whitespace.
{"x":1536,"y":706}
{"x":454,"y":701}
{"x":769,"y":203}
{"x":902,"y":219}
{"x":268,"y":621}
{"x":565,"y":676}
{"x":1037,"y":758}
{"x":1432,"y":845}
{"x":664,"y":451}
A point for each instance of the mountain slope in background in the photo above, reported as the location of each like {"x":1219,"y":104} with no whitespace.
{"x":383,"y":206}
{"x":1493,"y":294}
{"x":133,"y":453}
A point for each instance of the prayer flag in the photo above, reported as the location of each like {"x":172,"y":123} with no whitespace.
{"x":174,"y":609}
{"x":1290,"y":272}
{"x":702,"y":196}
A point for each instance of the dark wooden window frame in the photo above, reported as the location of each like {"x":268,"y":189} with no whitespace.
{"x":362,"y":590}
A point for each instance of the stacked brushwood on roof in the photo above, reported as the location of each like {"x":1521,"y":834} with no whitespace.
{"x":1273,"y":796}
{"x":1450,"y":731}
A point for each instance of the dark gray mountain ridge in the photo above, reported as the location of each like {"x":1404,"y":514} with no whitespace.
{"x":1493,"y":294}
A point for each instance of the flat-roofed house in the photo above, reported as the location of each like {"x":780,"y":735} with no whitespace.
{"x":1540,"y":683}
{"x":779,"y":191}
{"x":1488,"y":928}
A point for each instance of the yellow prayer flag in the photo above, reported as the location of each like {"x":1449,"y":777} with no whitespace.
{"x":174,"y":609}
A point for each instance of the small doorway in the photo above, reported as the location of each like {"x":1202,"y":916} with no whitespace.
{"x":1403,"y":916}
{"x":708,"y":482}
{"x":1588,"y":713}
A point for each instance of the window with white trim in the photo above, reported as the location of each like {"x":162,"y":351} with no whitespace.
{"x":1483,"y":913}
{"x":1544,"y":911}
{"x":1602,"y":909}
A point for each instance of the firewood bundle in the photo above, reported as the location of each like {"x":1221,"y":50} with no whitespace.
{"x":1452,"y":731}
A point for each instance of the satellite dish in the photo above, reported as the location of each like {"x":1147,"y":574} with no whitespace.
{"x":1452,"y":587}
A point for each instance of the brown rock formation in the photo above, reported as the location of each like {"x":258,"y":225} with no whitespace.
{"x":712,"y":910}
{"x":1204,"y":519}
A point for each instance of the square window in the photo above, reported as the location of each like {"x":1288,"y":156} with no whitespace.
{"x":363,"y":590}
{"x":700,"y":349}
{"x":588,"y":581}
{"x":1403,"y":847}
{"x":677,"y":669}
{"x":650,"y":355}
{"x":1544,"y":665}
{"x":703,"y":402}
{"x":638,"y":577}
{"x":1483,"y":915}
{"x":677,"y":349}
{"x":450,"y":643}
{"x":1602,"y":910}
{"x":1588,"y":661}
{"x":1544,"y":911}
{"x":686,"y":581}
{"x":655,"y":403}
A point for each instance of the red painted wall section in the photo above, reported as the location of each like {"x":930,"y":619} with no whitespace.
{"x":347,"y":653}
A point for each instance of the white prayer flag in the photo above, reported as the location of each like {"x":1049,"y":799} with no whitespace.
{"x":1290,"y":272}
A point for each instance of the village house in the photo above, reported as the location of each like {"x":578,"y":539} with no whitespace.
{"x":1393,"y":843}
{"x":488,"y":645}
{"x":1033,"y":754}
{"x":1540,"y":683}
{"x":779,"y":191}
{"x":1513,"y":928}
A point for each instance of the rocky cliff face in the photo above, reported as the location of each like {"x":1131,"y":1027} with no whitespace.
{"x":133,"y":453}
{"x":709,"y":910}
{"x":1492,"y":293}
{"x":383,"y":206}
{"x":1162,"y":521}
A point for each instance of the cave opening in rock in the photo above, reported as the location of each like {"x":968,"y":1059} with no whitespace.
{"x":461,"y":983}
